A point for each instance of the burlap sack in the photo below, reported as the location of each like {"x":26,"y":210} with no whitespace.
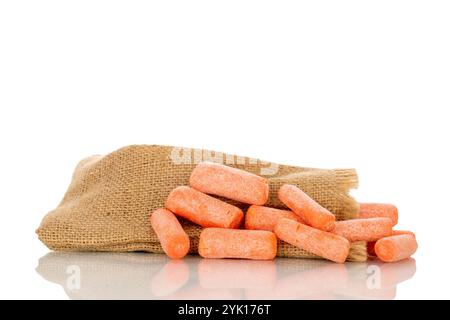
{"x":110,"y":198}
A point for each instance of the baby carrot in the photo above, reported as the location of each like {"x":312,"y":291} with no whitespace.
{"x":371,"y":244}
{"x":395,"y":248}
{"x":375,"y":210}
{"x":174,"y":240}
{"x":324,"y":244}
{"x":232,"y":243}
{"x":231,"y":183}
{"x":370,"y":229}
{"x":202,"y":209}
{"x":265,"y":218}
{"x":309,"y":210}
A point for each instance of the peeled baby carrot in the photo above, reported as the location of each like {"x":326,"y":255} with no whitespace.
{"x":232,"y":243}
{"x":375,"y":210}
{"x":371,"y":244}
{"x":324,"y":244}
{"x":265,"y":218}
{"x":231,"y":183}
{"x":202,"y":209}
{"x":370,"y":229}
{"x":309,"y":210}
{"x":174,"y":240}
{"x":395,"y":248}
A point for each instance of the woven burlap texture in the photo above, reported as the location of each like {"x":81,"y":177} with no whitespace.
{"x":109,"y":201}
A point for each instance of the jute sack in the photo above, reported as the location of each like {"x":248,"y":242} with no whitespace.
{"x":110,"y":198}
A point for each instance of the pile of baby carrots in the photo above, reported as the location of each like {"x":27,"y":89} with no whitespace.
{"x":306,"y":225}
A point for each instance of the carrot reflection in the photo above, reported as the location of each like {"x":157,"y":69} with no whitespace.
{"x":172,"y":276}
{"x":231,"y":273}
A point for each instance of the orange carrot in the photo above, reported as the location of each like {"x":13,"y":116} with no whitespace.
{"x":370,"y":229}
{"x":231,"y":183}
{"x":265,"y":218}
{"x":395,"y":248}
{"x":309,"y":210}
{"x":173,"y":238}
{"x":371,"y":244}
{"x":324,"y":244}
{"x":376,"y":210}
{"x":231,"y":243}
{"x":203,"y":209}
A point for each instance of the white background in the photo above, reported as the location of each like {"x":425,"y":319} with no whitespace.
{"x":362,"y":84}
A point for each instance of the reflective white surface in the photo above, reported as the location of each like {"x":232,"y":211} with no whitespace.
{"x":154,"y":276}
